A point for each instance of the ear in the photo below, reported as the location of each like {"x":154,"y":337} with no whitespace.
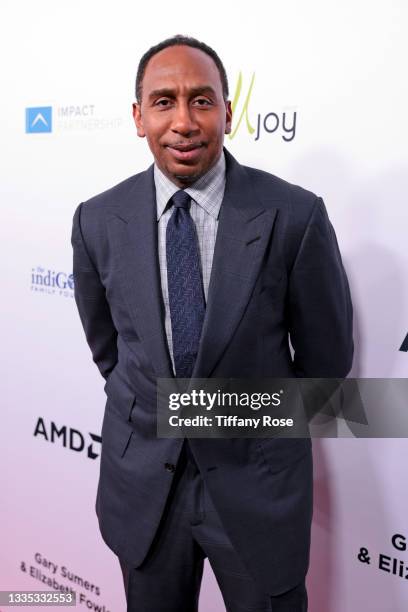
{"x":228,"y":116}
{"x":137,"y":117}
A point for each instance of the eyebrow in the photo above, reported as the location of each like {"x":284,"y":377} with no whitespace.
{"x":194,"y":91}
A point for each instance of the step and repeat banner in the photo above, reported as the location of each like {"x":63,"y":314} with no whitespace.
{"x":320,"y":98}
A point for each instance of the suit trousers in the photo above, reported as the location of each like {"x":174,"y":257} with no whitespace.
{"x":169,"y":579}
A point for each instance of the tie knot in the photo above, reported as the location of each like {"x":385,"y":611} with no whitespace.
{"x":181,"y":199}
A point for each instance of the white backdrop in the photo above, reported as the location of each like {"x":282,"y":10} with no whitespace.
{"x":341,"y":67}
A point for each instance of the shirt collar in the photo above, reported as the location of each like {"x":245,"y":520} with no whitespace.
{"x":207,"y":191}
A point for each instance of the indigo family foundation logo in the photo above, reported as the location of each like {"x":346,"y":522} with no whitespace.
{"x":50,"y":282}
{"x":282,"y":122}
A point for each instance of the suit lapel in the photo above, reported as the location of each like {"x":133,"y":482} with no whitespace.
{"x":244,"y":229}
{"x":134,"y":230}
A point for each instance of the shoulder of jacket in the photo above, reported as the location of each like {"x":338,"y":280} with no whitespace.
{"x":277,"y":191}
{"x":295,"y":208}
{"x":112,"y":195}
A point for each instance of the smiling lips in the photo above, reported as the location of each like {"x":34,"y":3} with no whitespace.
{"x":185,"y":152}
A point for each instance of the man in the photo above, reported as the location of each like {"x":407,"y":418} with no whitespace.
{"x":201,"y":267}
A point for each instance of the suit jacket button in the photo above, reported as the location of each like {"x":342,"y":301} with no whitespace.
{"x":170,"y":467}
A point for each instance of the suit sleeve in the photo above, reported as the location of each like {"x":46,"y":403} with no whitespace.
{"x":320,"y":308}
{"x":92,"y":304}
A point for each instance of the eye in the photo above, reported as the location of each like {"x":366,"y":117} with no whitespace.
{"x":202,"y":102}
{"x":163,"y":102}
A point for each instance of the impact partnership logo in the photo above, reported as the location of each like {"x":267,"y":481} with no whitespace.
{"x":39,"y":120}
{"x":49,"y":282}
{"x":283,"y":123}
{"x":74,"y":117}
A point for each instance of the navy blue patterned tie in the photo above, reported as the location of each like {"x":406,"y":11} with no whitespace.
{"x":186,"y":295}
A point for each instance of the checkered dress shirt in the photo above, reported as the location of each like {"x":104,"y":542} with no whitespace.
{"x":206,"y":195}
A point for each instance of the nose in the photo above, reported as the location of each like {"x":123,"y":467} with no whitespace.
{"x":183,"y":120}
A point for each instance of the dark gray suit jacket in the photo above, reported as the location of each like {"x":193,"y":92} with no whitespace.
{"x":277,"y":271}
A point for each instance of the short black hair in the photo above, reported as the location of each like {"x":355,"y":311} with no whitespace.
{"x":179,"y":39}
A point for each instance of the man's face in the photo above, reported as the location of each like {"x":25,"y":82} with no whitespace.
{"x":182,"y":113}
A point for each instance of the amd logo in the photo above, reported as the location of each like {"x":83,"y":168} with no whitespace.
{"x":67,"y":436}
